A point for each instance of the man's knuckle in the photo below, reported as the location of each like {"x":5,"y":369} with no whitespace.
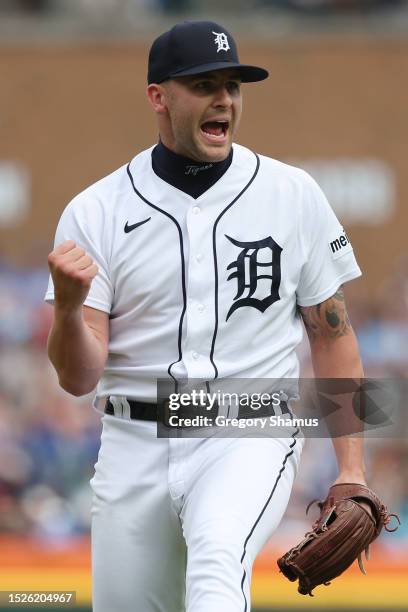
{"x":77,"y":275}
{"x":65,"y":268}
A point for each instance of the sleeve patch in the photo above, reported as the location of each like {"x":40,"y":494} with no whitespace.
{"x":340,"y":245}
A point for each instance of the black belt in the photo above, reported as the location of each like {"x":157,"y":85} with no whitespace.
{"x":152,"y":412}
{"x":138,"y":410}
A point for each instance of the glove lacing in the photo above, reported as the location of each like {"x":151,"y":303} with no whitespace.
{"x":385,"y":519}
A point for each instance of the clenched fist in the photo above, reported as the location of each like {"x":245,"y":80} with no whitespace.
{"x":72,"y":272}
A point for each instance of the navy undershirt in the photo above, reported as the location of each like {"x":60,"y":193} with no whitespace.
{"x":192,"y":177}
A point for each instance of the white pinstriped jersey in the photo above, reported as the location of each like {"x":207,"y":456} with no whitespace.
{"x":206,"y":288}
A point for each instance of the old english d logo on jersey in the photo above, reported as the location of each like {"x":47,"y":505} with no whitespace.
{"x":250,"y":268}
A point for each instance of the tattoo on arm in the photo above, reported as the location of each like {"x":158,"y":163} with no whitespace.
{"x":328,"y":319}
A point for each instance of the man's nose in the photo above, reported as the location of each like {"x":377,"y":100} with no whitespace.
{"x":223,"y":97}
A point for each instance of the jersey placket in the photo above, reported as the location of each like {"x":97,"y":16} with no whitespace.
{"x":200,"y":292}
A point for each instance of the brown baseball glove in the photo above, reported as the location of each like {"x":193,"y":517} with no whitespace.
{"x":351,"y":517}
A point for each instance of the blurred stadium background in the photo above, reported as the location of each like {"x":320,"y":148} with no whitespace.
{"x":72,"y":108}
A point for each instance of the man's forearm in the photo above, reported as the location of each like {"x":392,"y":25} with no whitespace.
{"x":335,"y":354}
{"x":76,"y":352}
{"x":78,"y":341}
{"x":339,"y":358}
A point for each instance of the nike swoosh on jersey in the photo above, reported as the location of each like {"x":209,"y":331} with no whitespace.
{"x":129,"y":228}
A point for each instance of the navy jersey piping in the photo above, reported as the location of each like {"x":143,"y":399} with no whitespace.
{"x":215,"y":261}
{"x":291,"y":446}
{"x":183,"y":273}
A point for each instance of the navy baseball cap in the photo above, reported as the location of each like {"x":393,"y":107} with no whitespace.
{"x":194,"y":47}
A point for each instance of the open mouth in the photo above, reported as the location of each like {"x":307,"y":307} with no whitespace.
{"x":215,"y":130}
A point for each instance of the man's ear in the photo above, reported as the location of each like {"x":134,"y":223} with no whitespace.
{"x":156,"y":94}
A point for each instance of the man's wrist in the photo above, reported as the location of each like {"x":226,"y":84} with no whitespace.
{"x":356,"y":476}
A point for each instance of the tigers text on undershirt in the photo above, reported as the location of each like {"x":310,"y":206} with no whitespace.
{"x":188,"y":175}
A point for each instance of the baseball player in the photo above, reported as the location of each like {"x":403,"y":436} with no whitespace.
{"x":196,"y":260}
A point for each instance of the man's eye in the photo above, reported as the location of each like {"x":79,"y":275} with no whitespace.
{"x":208,"y":86}
{"x":234,"y":85}
{"x":203,"y":85}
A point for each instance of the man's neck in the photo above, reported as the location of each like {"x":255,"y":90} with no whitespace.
{"x":188,"y":175}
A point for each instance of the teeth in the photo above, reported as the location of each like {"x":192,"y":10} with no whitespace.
{"x":214,"y":136}
{"x":222,"y":123}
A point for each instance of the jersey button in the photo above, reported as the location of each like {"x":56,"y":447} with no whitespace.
{"x":201,"y":308}
{"x":195,"y":355}
{"x":199,"y":258}
{"x":196,"y":210}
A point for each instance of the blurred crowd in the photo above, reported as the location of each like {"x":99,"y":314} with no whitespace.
{"x":39,"y":7}
{"x":49,"y":440}
{"x":331,"y":6}
{"x":303,"y":6}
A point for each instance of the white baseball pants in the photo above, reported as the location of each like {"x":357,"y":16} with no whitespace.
{"x":177,"y":523}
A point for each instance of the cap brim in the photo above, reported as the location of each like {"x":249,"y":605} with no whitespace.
{"x":248,"y":74}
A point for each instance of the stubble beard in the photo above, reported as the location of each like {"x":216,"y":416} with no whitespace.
{"x":190,"y":144}
{"x":209,"y":154}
